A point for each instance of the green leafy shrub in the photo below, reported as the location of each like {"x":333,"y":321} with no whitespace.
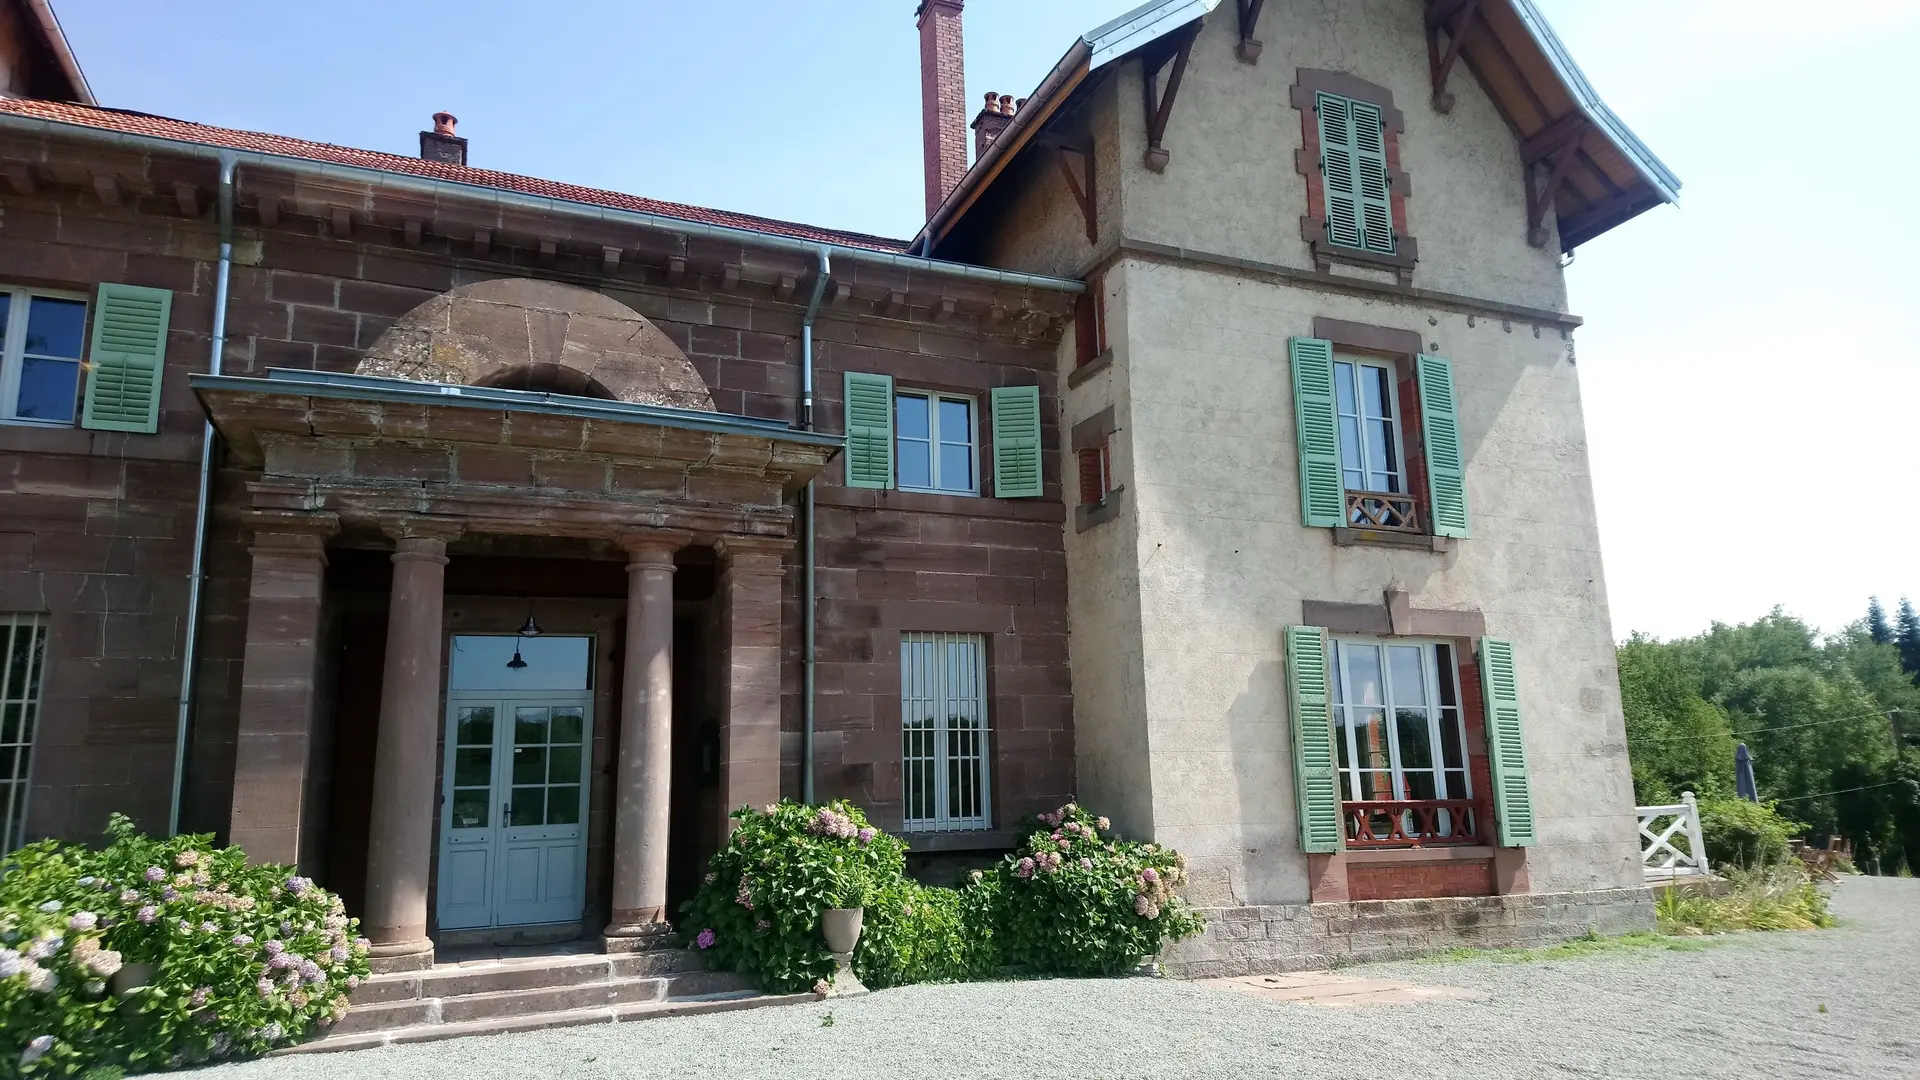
{"x":1078,"y":902}
{"x":921,"y":934}
{"x":757,"y":911}
{"x":1745,"y":834}
{"x":1777,"y":896}
{"x":245,"y":958}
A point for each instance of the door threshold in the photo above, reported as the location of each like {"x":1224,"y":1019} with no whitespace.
{"x":533,"y":934}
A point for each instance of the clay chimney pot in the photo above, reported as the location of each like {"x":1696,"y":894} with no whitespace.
{"x":443,"y":123}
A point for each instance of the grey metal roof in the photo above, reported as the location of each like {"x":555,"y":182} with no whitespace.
{"x":326,"y":384}
{"x":1112,"y":40}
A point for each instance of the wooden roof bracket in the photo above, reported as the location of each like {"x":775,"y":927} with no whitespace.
{"x":1554,"y":147}
{"x":1160,"y":105}
{"x":1249,"y":48}
{"x":1085,"y":194}
{"x":1452,"y":17}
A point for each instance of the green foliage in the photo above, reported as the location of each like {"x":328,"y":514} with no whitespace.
{"x":244,"y":958}
{"x":758,"y":908}
{"x":1878,"y":628}
{"x":918,"y":934}
{"x":1070,"y":900}
{"x":1777,"y":897}
{"x":1742,"y":834}
{"x":1590,"y":945}
{"x":1079,"y":902}
{"x":1815,"y":713}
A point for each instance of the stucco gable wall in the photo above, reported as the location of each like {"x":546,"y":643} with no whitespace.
{"x":1231,"y":187}
{"x":1225,"y":564}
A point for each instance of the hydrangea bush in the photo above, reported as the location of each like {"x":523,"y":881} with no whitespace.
{"x":1077,"y":901}
{"x":243,"y":958}
{"x":758,"y":908}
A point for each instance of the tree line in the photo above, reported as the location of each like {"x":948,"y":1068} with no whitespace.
{"x":1832,"y":722}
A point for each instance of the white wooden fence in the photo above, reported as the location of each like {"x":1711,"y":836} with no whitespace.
{"x":1660,"y":857}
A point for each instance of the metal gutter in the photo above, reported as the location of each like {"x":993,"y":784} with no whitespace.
{"x":196,"y":575}
{"x":1656,"y":173}
{"x":291,"y":382}
{"x":520,"y":202}
{"x":811,"y":604}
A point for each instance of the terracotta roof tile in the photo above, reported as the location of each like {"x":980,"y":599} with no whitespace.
{"x":166,"y":128}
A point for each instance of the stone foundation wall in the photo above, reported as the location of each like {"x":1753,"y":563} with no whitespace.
{"x":1301,"y":937}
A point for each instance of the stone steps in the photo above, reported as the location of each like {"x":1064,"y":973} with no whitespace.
{"x":531,"y":992}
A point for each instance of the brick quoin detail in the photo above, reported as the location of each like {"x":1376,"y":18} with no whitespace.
{"x":1419,"y":881}
{"x":943,"y":98}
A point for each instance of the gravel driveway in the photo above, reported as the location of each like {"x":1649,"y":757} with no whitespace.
{"x":1751,"y":1006}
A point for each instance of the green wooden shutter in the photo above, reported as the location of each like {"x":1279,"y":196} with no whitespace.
{"x":1506,"y":749}
{"x":1446,"y":460}
{"x":1370,"y":178}
{"x":1016,"y":442}
{"x":1323,"y":496}
{"x":1315,"y":783}
{"x":127,"y":358}
{"x":1353,"y":168}
{"x":869,"y":430}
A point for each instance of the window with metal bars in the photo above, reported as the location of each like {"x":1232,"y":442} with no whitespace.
{"x":943,"y":732}
{"x":23,"y":657}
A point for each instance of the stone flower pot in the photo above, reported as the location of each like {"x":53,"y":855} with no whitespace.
{"x":129,"y":978}
{"x":841,"y":927}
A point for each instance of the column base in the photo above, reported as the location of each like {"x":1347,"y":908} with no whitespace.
{"x":637,"y":937}
{"x":844,"y":982}
{"x":391,"y":956}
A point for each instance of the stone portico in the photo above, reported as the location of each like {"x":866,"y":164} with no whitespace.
{"x":554,"y":445}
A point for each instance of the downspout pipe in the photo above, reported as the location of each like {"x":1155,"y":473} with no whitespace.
{"x":811,"y":605}
{"x":197,"y":575}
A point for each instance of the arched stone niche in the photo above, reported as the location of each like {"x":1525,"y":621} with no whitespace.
{"x":526,"y":334}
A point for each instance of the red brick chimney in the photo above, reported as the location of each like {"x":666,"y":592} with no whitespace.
{"x":441,"y":144}
{"x":994,"y":117}
{"x":943,"y":93}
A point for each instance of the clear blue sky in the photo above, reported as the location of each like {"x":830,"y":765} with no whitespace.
{"x":1752,"y":360}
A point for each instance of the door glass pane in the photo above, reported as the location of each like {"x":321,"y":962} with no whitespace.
{"x":1363,"y":675}
{"x":1407,"y":675}
{"x":563,"y":765}
{"x":1343,"y":387}
{"x":473,"y":768}
{"x":956,"y":422}
{"x":563,"y":805}
{"x":1350,"y":460}
{"x":956,"y":467}
{"x":1420,"y":785}
{"x":1457,"y":786}
{"x":529,"y":765}
{"x":475,"y":727}
{"x":529,"y":806}
{"x":529,"y":726}
{"x":55,"y":327}
{"x":1370,"y":739}
{"x":470,"y":807}
{"x":48,"y":389}
{"x":1377,"y":393}
{"x":1376,"y":786}
{"x":1450,"y":740}
{"x":568,"y":725}
{"x":1443,"y":660}
{"x":1416,"y":739}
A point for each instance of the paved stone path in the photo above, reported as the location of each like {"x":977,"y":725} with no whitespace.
{"x":1834,"y":1003}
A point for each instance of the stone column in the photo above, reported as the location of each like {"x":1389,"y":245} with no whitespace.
{"x":750,"y":706}
{"x":400,"y":833}
{"x":644,"y":774}
{"x":279,"y":686}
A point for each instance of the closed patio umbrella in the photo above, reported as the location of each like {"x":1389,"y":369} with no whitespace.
{"x":1743,"y":784}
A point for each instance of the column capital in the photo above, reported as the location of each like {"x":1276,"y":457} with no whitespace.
{"x":753,"y":554}
{"x":410,"y":527}
{"x":651,"y":547}
{"x":291,"y":533}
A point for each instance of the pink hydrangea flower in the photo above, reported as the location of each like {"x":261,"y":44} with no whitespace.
{"x":148,"y":914}
{"x":866,"y":836}
{"x":1149,"y":875}
{"x":1103,"y":824}
{"x":156,"y":874}
{"x":704,"y":939}
{"x":1086,"y":864}
{"x":1025,"y":868}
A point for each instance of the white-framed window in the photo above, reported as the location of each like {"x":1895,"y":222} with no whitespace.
{"x":1370,"y":450}
{"x":934,"y":444}
{"x":943,"y":732}
{"x":42,"y":338}
{"x":1397,"y":722}
{"x":23,"y":658}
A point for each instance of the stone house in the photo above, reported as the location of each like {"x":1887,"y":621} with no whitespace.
{"x":476,"y":542}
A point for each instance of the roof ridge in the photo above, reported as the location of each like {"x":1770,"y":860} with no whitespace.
{"x":134,"y":121}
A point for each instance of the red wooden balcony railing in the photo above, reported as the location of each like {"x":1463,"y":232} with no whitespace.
{"x":1383,"y":510}
{"x":1412,"y":823}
